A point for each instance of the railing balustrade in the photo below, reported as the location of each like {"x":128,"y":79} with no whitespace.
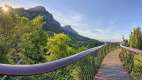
{"x":80,"y":66}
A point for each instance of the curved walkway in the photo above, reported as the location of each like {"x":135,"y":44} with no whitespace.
{"x":112,"y":69}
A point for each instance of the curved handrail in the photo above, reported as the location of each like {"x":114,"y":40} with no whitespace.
{"x":132,"y":49}
{"x":22,"y":70}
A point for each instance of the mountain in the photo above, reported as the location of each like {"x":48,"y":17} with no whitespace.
{"x":52,"y":25}
{"x":69,"y":29}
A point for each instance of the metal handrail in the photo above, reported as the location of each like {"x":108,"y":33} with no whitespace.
{"x":22,"y":70}
{"x":132,"y":49}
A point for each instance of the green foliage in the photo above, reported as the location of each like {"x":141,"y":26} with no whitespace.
{"x":35,"y":46}
{"x":128,"y":61}
{"x":21,"y":37}
{"x":58,"y":46}
{"x":137,"y":68}
{"x":6,"y":32}
{"x":135,"y":40}
{"x":132,"y":64}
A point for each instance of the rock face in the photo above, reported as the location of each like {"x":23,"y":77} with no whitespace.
{"x":69,"y":29}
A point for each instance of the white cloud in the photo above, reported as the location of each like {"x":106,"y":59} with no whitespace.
{"x":99,"y":30}
{"x":101,"y":36}
{"x":77,"y":18}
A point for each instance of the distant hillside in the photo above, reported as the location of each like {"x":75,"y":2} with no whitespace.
{"x":52,"y":25}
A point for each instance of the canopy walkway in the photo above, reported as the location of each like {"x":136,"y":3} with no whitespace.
{"x":112,"y":69}
{"x":105,"y":62}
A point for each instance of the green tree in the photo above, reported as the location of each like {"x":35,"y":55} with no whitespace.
{"x":35,"y":46}
{"x":58,"y":46}
{"x":7,"y":23}
{"x":135,"y":40}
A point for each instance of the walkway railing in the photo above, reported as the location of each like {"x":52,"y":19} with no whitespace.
{"x":132,"y":61}
{"x":81,"y":66}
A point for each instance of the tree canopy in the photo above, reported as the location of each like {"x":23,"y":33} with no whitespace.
{"x":135,"y":39}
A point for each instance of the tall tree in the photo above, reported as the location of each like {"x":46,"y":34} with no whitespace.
{"x":58,"y":46}
{"x":7,"y":23}
{"x":135,"y":39}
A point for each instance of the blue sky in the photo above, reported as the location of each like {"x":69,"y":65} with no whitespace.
{"x":105,"y":20}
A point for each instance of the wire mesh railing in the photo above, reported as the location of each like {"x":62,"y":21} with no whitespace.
{"x":132,"y":61}
{"x":81,"y":66}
